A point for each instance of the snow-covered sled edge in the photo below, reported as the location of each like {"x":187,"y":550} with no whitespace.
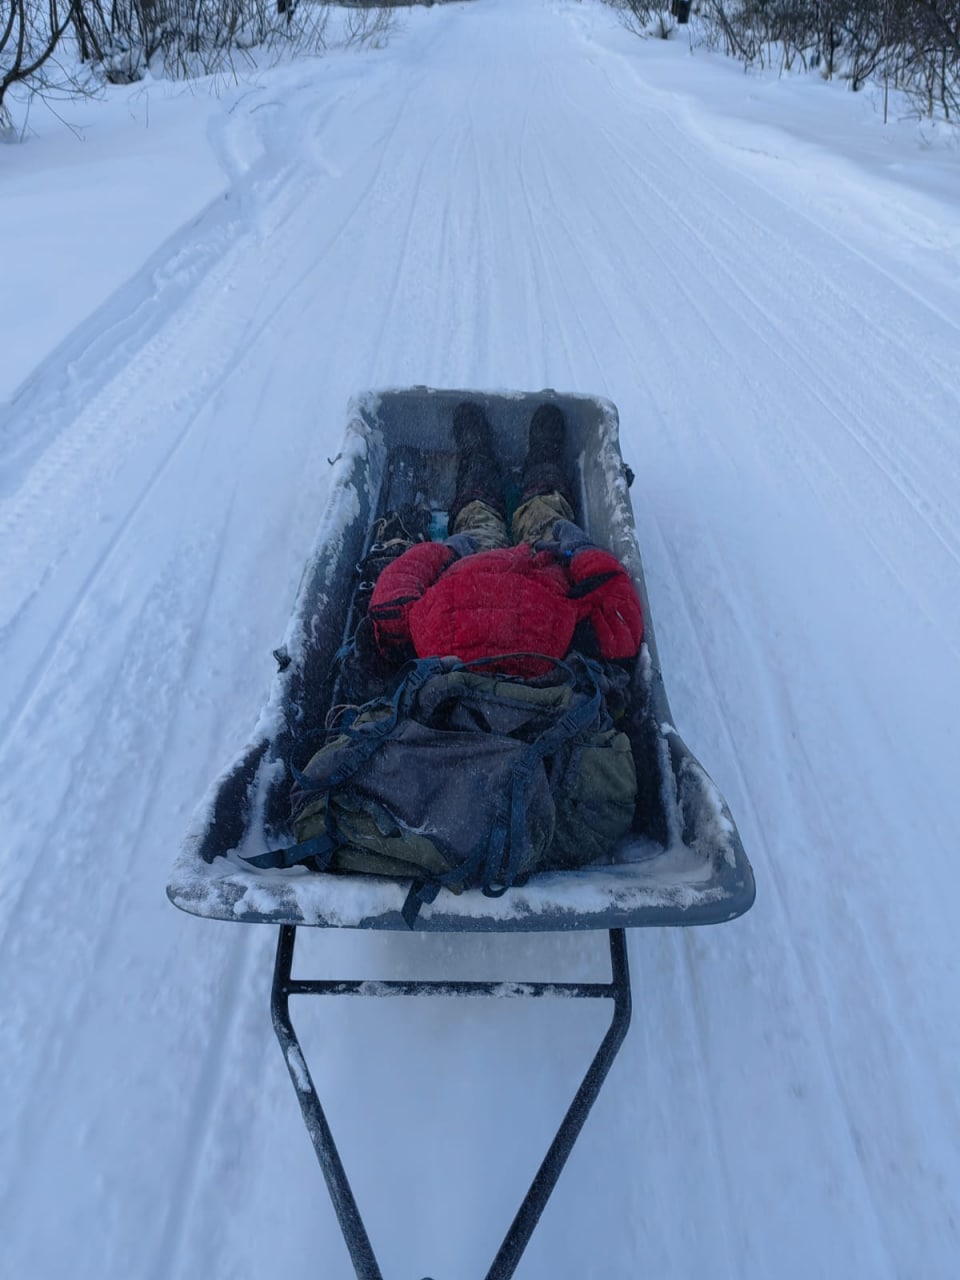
{"x":694,"y":872}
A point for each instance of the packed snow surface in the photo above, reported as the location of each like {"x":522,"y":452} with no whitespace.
{"x":509,"y":194}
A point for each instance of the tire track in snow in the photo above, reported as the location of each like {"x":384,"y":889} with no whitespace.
{"x":808,"y":377}
{"x":546,"y":284}
{"x":85,"y":461}
{"x":467,"y":279}
{"x":215,"y":1063}
{"x":709,"y":444}
{"x":885,"y":994}
{"x":402,"y":258}
{"x":171,"y":338}
{"x":850,"y":421}
{"x":523,"y":269}
{"x":703,"y":1035}
{"x":200,"y":1110}
{"x":76,"y":455}
{"x":653,"y":100}
{"x":232,"y":354}
{"x":105,"y":344}
{"x":790,"y":931}
{"x":606,"y":253}
{"x":269,"y":203}
{"x":866,"y":997}
{"x":650,"y":159}
{"x":558,"y":278}
{"x":890,"y":459}
{"x":572,"y":286}
{"x":526,"y":228}
{"x":385,"y":149}
{"x":466,"y":313}
{"x":72,"y":878}
{"x":562,"y":282}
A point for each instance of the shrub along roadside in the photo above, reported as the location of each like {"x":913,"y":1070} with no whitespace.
{"x":910,"y":45}
{"x":62,"y":48}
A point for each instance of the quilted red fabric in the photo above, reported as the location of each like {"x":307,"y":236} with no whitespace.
{"x":505,"y":601}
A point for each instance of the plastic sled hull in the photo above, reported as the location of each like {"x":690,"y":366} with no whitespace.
{"x":685,"y":864}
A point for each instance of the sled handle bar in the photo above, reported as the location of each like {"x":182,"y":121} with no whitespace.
{"x":528,"y":1215}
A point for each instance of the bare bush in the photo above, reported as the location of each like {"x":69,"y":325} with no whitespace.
{"x":184,"y":38}
{"x":913,"y":45}
{"x":117,"y":41}
{"x":646,"y":18}
{"x":369,"y":24}
{"x":30,"y":32}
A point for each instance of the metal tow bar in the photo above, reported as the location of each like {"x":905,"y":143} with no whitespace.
{"x":527,"y":1216}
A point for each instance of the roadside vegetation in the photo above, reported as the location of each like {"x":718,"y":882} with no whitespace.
{"x":59,"y":48}
{"x":909,"y":45}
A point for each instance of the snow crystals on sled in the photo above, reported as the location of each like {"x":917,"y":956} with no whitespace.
{"x":683,"y":863}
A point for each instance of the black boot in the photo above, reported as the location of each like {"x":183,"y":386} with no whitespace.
{"x":478,"y":471}
{"x":544,"y":470}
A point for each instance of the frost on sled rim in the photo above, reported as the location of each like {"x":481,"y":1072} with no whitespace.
{"x":685,"y":864}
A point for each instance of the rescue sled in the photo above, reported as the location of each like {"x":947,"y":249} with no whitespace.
{"x":683,"y":864}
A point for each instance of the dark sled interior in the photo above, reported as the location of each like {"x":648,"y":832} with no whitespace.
{"x":684,"y":863}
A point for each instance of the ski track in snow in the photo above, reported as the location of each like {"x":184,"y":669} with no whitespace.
{"x":486,"y":203}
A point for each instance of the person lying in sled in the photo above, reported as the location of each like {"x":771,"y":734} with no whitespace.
{"x":476,"y":596}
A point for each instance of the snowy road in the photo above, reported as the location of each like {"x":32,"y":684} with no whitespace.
{"x":503,"y":197}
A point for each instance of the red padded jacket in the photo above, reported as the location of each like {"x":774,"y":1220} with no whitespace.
{"x":505,"y":601}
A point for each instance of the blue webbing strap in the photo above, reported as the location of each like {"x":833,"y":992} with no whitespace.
{"x":421,"y":891}
{"x":489,"y":856}
{"x":498,"y":860}
{"x":319,"y":847}
{"x":368,"y":737}
{"x":500,"y":873}
{"x":366,"y":740}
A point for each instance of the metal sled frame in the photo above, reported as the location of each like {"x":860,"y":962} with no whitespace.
{"x":528,"y":1215}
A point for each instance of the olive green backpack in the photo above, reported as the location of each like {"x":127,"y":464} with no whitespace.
{"x":460,"y":779}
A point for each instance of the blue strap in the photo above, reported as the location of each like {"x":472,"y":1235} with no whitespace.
{"x":507,"y":837}
{"x":319,"y":847}
{"x":366,"y":740}
{"x":421,"y":891}
{"x":368,"y":737}
{"x":498,"y":859}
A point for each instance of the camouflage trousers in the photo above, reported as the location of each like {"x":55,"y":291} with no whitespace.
{"x":532,"y":521}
